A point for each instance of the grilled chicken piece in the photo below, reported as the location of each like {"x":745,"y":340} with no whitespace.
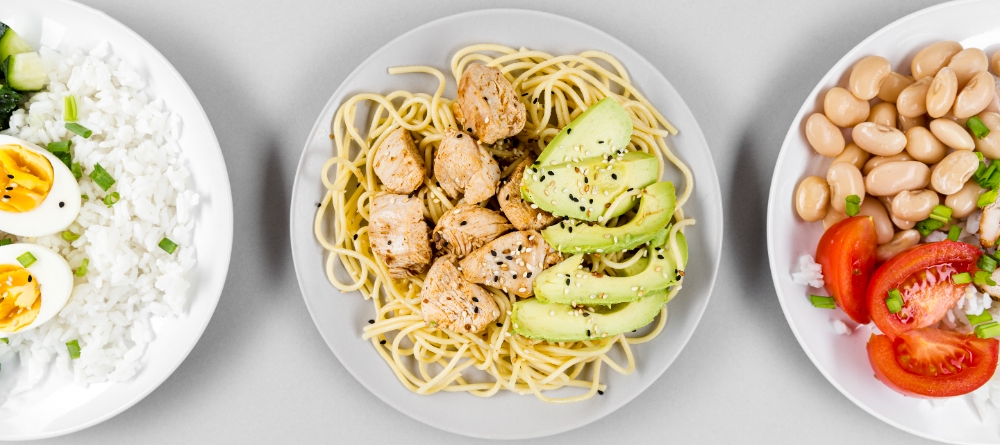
{"x":466,"y":228}
{"x":989,"y":225}
{"x":509,"y":262}
{"x":521,"y":213}
{"x":462,"y":165}
{"x":399,"y":234}
{"x":450,"y":301}
{"x":487,"y":104}
{"x":398,"y":164}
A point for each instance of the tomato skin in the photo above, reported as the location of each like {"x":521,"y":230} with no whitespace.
{"x":928,"y":343}
{"x":923,"y":307}
{"x":846,"y":253}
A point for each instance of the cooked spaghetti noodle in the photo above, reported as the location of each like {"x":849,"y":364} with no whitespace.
{"x":554,"y":90}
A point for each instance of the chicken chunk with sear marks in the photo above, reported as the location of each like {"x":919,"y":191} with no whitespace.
{"x":510,"y":262}
{"x":521,"y":213}
{"x":398,"y":163}
{"x":399,"y":235}
{"x":487,"y":104}
{"x":450,"y":301}
{"x":461,"y":165}
{"x":466,"y":228}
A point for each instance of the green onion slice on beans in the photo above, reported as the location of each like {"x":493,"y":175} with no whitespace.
{"x":853,"y":205}
{"x":895,"y":301}
{"x":986,"y":199}
{"x":977,"y":127}
{"x":954,"y":232}
{"x":927,"y":226}
{"x":822,"y":302}
{"x":941,"y":213}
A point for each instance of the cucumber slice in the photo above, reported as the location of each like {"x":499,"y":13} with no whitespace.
{"x":11,"y":43}
{"x":25,"y":72}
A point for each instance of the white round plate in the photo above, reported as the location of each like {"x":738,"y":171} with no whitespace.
{"x":340,"y":318}
{"x":842,"y":359}
{"x":57,"y":407}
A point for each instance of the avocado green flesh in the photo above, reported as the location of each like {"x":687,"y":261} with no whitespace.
{"x":585,"y":189}
{"x":566,"y":283}
{"x":601,"y":130}
{"x":557,"y":322}
{"x":656,"y":207}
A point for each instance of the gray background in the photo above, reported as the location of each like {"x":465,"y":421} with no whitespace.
{"x":263,"y":71}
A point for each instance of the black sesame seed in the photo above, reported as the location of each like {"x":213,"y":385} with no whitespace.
{"x":609,"y":158}
{"x":582,"y":208}
{"x":499,"y":325}
{"x":355,"y":237}
{"x":381,"y":342}
{"x":475,"y":309}
{"x":475,"y":300}
{"x":535,"y":101}
{"x":586,"y":314}
{"x":318,"y":205}
{"x":586,"y":180}
{"x":62,"y":204}
{"x":562,"y":225}
{"x":524,"y":94}
{"x":29,"y":278}
{"x":660,"y":256}
{"x":567,"y":281}
{"x":509,"y":257}
{"x":591,"y":200}
{"x":514,"y":275}
{"x":600,"y":142}
{"x":630,"y":189}
{"x":499,"y":263}
{"x":389,"y":242}
{"x":460,"y":135}
{"x":600,"y":392}
{"x":551,"y":174}
{"x":10,"y":176}
{"x":588,"y":332}
{"x":371,"y":321}
{"x":495,"y":279}
{"x":464,"y":223}
{"x":10,"y":188}
{"x":614,"y":176}
{"x":493,"y":252}
{"x":571,"y":227}
{"x":469,"y":130}
{"x":528,"y":275}
{"x":569,"y":130}
{"x":484,"y":98}
{"x":6,"y":196}
{"x":508,"y":197}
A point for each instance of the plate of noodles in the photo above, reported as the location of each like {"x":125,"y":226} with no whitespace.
{"x":117,"y":210}
{"x":445,"y":128}
{"x":849,"y":346}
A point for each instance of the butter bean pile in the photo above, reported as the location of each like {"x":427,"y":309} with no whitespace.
{"x":910,"y":146}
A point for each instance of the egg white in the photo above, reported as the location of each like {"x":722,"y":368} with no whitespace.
{"x":46,"y":218}
{"x":55,"y":279}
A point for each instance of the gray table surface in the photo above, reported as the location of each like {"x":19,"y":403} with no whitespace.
{"x":263,"y":71}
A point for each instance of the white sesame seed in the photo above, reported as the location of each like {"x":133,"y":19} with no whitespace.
{"x":552,"y":313}
{"x":635,"y":288}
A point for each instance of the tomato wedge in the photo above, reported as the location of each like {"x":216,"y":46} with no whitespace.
{"x":931,"y":362}
{"x":923,"y":276}
{"x":847,"y":254}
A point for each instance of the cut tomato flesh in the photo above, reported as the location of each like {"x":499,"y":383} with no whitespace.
{"x":931,"y":362}
{"x":846,"y":253}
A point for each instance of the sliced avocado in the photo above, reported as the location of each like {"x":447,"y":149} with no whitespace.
{"x":561,"y":322}
{"x":11,"y":43}
{"x":558,"y":284}
{"x":656,"y":207}
{"x":586,"y":189}
{"x":601,"y":130}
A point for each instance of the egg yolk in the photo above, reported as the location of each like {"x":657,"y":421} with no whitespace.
{"x":26,"y":178}
{"x":20,"y":298}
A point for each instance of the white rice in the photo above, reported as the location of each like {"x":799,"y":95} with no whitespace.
{"x":130,"y":280}
{"x":809,"y":272}
{"x":840,"y":328}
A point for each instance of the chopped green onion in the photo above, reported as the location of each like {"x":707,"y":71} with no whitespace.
{"x":983,"y":279}
{"x":927,"y":226}
{"x":80,"y":130}
{"x":981,"y":318}
{"x":26,"y":259}
{"x":69,"y":108}
{"x":977,"y":127}
{"x":986,"y":177}
{"x":822,"y":302}
{"x":59,"y":147}
{"x":84,"y":197}
{"x":986,"y":199}
{"x":941,"y":213}
{"x":988,"y":330}
{"x":954,"y":232}
{"x":167,"y":245}
{"x":961,"y":278}
{"x":5,"y":341}
{"x":111,"y":199}
{"x":853,"y":205}
{"x":101,"y":177}
{"x":74,"y":349}
{"x":77,"y":170}
{"x":895,"y":301}
{"x":987,"y":263}
{"x":979,"y":155}
{"x":70,"y":236}
{"x":82,"y":270}
{"x":6,"y":241}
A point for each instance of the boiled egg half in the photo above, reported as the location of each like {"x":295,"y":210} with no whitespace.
{"x":40,"y":194}
{"x":35,"y":284}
